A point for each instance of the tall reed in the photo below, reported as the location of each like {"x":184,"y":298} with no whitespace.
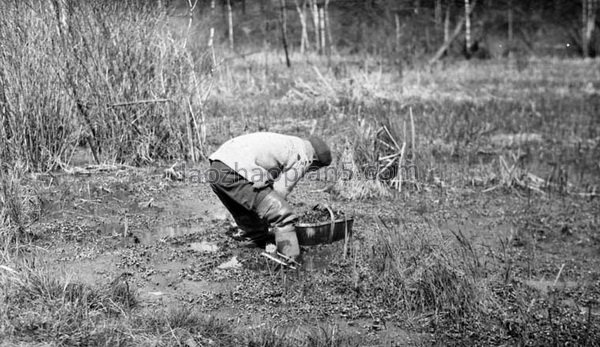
{"x":113,"y":76}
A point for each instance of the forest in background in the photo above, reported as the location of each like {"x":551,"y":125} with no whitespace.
{"x":139,"y":81}
{"x":403,"y":31}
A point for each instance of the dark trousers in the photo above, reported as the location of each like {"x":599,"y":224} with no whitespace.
{"x":240,"y":198}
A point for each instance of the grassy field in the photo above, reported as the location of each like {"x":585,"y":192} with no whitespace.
{"x":483,"y":232}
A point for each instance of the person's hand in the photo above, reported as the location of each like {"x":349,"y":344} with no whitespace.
{"x":262,"y":184}
{"x":287,"y":243}
{"x":319,"y":207}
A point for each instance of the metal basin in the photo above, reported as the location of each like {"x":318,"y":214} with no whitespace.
{"x":324,"y":232}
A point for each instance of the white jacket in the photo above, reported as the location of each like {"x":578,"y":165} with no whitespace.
{"x":267,"y":158}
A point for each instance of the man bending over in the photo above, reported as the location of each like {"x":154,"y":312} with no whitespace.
{"x":254,"y":175}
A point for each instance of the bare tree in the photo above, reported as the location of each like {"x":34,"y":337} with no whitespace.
{"x":304,"y":43}
{"x":461,"y":22}
{"x":438,"y":14}
{"x":510,"y":27}
{"x":588,"y":19}
{"x":192,"y":5}
{"x":283,"y":23}
{"x":211,"y":36}
{"x":315,"y":15}
{"x":447,"y":23}
{"x":398,"y":31}
{"x":327,"y":25}
{"x":321,"y":29}
{"x":230,"y":24}
{"x":467,"y":27}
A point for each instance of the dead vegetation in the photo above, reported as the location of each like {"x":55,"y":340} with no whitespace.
{"x":437,"y":145}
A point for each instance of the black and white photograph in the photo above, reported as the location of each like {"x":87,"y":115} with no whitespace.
{"x":312,"y":173}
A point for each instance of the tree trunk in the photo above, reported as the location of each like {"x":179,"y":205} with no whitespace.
{"x":447,"y":24}
{"x":322,"y":29}
{"x":438,"y":14}
{"x":584,"y":18}
{"x":211,"y":36}
{"x":510,"y":28}
{"x":304,"y":44}
{"x":589,"y":24}
{"x":457,"y":30}
{"x":283,"y":21}
{"x":192,"y":6}
{"x":398,"y":32}
{"x":230,"y":24}
{"x":328,"y":28}
{"x":315,"y":15}
{"x":467,"y":28}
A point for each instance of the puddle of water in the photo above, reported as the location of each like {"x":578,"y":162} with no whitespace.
{"x":545,"y":285}
{"x":191,"y":208}
{"x":204,"y":246}
{"x":318,"y":259}
{"x":232,"y":263}
{"x":169,"y":231}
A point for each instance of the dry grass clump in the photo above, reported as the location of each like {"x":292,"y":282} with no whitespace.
{"x":11,"y":201}
{"x":353,"y":185}
{"x":112,"y":76}
{"x":19,"y":207}
{"x":379,"y":158}
{"x":443,"y":283}
{"x":37,"y":305}
{"x":179,"y":325}
{"x":432,"y":278}
{"x":316,"y":336}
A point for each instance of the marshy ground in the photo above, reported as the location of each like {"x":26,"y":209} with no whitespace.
{"x":529,"y":267}
{"x":482,"y":228}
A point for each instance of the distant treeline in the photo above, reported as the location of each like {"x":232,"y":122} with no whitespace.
{"x":403,"y":29}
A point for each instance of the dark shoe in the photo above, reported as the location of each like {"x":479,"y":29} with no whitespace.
{"x":257,"y":241}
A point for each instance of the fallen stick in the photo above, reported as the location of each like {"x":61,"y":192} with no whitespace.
{"x":558,"y":275}
{"x":389,"y":156}
{"x":387,"y":145}
{"x":137,"y":102}
{"x":288,"y":259}
{"x":391,"y":137}
{"x":278,"y":261}
{"x":386,"y":166}
{"x":399,"y":175}
{"x":587,"y":195}
{"x":413,"y":146}
{"x":491,"y":188}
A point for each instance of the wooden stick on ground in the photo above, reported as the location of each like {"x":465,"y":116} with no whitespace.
{"x":413,"y":148}
{"x":558,"y":275}
{"x":399,"y":175}
{"x":413,"y":145}
{"x":278,"y":261}
{"x":391,"y":137}
{"x":137,"y":102}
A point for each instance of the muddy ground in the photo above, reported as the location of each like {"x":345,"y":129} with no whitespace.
{"x":169,"y":241}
